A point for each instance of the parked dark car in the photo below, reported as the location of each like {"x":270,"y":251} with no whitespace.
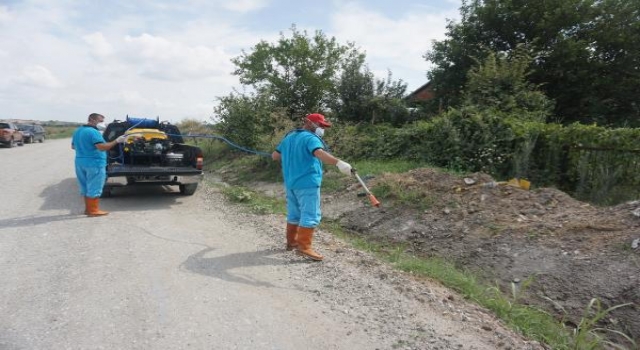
{"x":10,"y":135}
{"x":32,"y":133}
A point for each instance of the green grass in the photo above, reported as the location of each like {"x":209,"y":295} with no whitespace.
{"x":256,"y":202}
{"x":377,"y":167}
{"x":588,"y":336}
{"x":59,"y":132}
{"x":402,"y":196}
{"x":527,"y":320}
{"x":245,"y":168}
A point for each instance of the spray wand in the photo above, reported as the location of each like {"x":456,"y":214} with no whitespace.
{"x":374,"y":201}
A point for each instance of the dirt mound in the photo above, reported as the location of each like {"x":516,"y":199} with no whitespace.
{"x":572,"y":250}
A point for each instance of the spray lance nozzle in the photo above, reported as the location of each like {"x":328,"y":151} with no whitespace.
{"x":374,"y":201}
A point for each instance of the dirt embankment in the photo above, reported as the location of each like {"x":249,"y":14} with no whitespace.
{"x":571,"y":250}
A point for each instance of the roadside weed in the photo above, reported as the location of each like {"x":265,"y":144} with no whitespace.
{"x":404,"y":195}
{"x":238,"y":194}
{"x":333,"y":183}
{"x":588,"y":335}
{"x":373,"y":167}
{"x":257,"y":203}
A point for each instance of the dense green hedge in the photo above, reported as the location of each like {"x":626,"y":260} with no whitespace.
{"x":591,"y":162}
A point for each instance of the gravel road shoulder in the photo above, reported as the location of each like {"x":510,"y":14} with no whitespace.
{"x":403,"y":312}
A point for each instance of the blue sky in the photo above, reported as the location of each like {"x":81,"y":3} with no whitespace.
{"x":64,"y":59}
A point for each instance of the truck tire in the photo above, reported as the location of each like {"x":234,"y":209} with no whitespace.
{"x":188,"y":190}
{"x":106,"y":192}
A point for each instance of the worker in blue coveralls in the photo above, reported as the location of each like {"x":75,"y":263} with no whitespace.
{"x":302,"y":153}
{"x":91,"y":161}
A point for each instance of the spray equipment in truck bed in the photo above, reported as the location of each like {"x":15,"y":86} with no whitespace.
{"x":146,"y":142}
{"x":147,"y":134}
{"x":171,"y":131}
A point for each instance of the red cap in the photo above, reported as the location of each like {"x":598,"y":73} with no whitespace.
{"x":318,"y":119}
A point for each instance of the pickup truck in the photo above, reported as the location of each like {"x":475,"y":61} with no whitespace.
{"x":153,"y":153}
{"x":10,"y":135}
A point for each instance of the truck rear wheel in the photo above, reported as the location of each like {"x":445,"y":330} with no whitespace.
{"x":189,"y":189}
{"x":106,"y":192}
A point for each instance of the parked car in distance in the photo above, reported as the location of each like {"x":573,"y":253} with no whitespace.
{"x":10,"y":135}
{"x":32,"y":132}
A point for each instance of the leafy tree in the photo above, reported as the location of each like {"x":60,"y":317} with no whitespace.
{"x":193,"y":126}
{"x":354,"y":91}
{"x":500,"y":83}
{"x":304,"y":73}
{"x":298,"y":72}
{"x":242,"y":117}
{"x":387,"y":104}
{"x":615,"y":46}
{"x":586,"y":53}
{"x":362,"y":97}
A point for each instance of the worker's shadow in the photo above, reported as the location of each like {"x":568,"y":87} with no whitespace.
{"x":57,"y":195}
{"x":222,"y":266}
{"x":54,"y":197}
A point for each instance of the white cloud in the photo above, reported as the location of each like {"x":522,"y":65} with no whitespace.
{"x":5,"y":15}
{"x":99,"y":44}
{"x":221,"y":33}
{"x":159,"y":58}
{"x":65,"y":59}
{"x":397,"y":44}
{"x":132,"y":98}
{"x":38,"y":76}
{"x":244,"y":5}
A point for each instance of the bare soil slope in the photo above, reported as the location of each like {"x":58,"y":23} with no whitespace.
{"x":572,"y":250}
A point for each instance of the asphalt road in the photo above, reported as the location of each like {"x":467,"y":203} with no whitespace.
{"x":166,"y":271}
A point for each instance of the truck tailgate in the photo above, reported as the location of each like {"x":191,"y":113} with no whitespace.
{"x":134,"y":170}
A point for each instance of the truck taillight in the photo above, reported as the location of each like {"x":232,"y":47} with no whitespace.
{"x":199,"y":161}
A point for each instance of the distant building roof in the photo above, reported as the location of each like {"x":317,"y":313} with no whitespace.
{"x":423,"y":93}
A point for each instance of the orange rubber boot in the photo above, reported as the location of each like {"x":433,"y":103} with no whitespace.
{"x":93,"y":207}
{"x":305,"y":236}
{"x":292,"y":233}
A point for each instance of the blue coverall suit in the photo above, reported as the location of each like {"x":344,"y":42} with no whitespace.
{"x":302,"y":173}
{"x":90,"y":161}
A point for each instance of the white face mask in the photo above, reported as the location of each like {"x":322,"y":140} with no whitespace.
{"x":319,"y":131}
{"x":101,"y":126}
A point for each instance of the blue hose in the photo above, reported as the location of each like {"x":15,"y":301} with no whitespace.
{"x":244,"y":149}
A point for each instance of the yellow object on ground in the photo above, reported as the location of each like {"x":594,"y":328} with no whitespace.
{"x":522,"y":183}
{"x":515,"y":182}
